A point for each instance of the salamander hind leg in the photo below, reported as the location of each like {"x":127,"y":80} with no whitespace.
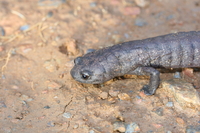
{"x":154,"y":78}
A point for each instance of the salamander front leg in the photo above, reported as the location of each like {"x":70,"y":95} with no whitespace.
{"x":154,"y":78}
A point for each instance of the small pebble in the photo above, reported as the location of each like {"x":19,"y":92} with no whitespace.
{"x":170,"y":104}
{"x":9,"y":116}
{"x":26,"y":98}
{"x":67,"y":115}
{"x":76,"y":126}
{"x":169,"y":17}
{"x":24,"y":27}
{"x":113,"y":93}
{"x":126,"y":35}
{"x":53,"y":85}
{"x":93,"y":4}
{"x":47,"y":107}
{"x":89,"y":99}
{"x":157,"y":125}
{"x":2,"y":104}
{"x":150,"y":131}
{"x":51,"y":3}
{"x":132,"y":11}
{"x":3,"y":76}
{"x":180,"y":121}
{"x":103,"y":95}
{"x":72,"y":47}
{"x":50,"y":124}
{"x":124,"y":96}
{"x":177,"y":75}
{"x":159,"y":111}
{"x":193,"y":129}
{"x":140,"y":22}
{"x":49,"y":14}
{"x":168,"y":132}
{"x":132,"y":128}
{"x":142,"y":3}
{"x":50,"y":65}
{"x":138,"y":97}
{"x":91,"y":131}
{"x":119,"y":126}
{"x":2,"y":31}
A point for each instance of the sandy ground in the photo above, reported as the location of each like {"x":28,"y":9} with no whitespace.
{"x":43,"y":37}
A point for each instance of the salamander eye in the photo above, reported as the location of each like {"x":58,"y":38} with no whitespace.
{"x":85,"y":76}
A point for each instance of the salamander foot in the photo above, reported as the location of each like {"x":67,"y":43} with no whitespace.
{"x":146,"y":90}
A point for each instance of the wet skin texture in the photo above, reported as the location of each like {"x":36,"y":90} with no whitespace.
{"x":139,"y":57}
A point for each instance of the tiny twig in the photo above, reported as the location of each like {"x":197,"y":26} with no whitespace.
{"x":18,"y":14}
{"x":32,"y":86}
{"x":7,"y":60}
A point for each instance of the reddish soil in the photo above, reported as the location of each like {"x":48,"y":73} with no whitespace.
{"x":37,"y":93}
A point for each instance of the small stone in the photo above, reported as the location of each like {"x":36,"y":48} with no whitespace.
{"x":119,"y":116}
{"x":170,"y":104}
{"x":177,"y":75}
{"x":132,"y":11}
{"x":103,"y":95}
{"x":15,"y":87}
{"x":159,"y":111}
{"x":117,"y":39}
{"x":138,"y":97}
{"x":180,"y":121}
{"x":124,"y":96}
{"x":112,"y":100}
{"x":51,"y":3}
{"x":51,"y":124}
{"x":2,"y":31}
{"x":67,"y":115}
{"x":142,"y":3}
{"x":76,"y":126}
{"x":113,"y":93}
{"x":119,"y":126}
{"x":188,"y":72}
{"x":50,"y":65}
{"x":91,"y":131}
{"x":168,"y":132}
{"x":170,"y":17}
{"x":24,"y":27}
{"x":150,"y":131}
{"x":2,"y":104}
{"x":25,"y":48}
{"x":126,"y":35}
{"x":193,"y":129}
{"x":140,"y":22}
{"x":2,"y":48}
{"x":157,"y":125}
{"x":53,"y":85}
{"x":15,"y":121}
{"x":49,"y":14}
{"x":47,"y":107}
{"x":72,"y":47}
{"x":132,"y":128}
{"x":93,"y":4}
{"x":26,"y":98}
{"x":89,"y":99}
{"x":184,"y":93}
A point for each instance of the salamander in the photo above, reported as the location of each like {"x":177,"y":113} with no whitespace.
{"x":139,"y":57}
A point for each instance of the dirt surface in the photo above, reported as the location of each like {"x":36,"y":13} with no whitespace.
{"x":37,"y":93}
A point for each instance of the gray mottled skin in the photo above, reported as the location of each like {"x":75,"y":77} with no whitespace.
{"x":139,"y":57}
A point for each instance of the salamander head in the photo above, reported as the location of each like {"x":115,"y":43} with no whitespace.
{"x":88,"y":71}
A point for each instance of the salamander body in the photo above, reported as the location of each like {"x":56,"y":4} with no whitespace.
{"x":139,"y":57}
